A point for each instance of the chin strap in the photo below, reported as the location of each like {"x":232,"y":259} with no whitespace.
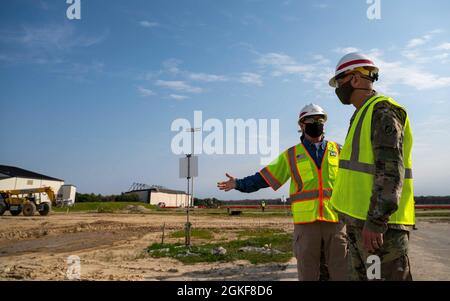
{"x":365,"y":89}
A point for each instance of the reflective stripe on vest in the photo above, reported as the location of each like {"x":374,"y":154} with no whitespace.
{"x":353,"y":163}
{"x":354,"y":184}
{"x":367,"y":168}
{"x":292,"y":157}
{"x":310,"y":195}
{"x":270,"y":179}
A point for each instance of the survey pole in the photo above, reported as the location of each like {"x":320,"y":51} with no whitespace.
{"x":192,"y":131}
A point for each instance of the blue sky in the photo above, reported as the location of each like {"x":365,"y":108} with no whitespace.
{"x":92,"y":100}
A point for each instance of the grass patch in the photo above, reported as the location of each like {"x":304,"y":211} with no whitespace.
{"x":112,"y":207}
{"x":262,"y":232}
{"x":202,"y":252}
{"x":197,"y":233}
{"x":101,"y":207}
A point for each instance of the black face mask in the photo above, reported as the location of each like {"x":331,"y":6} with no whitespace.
{"x":314,"y":130}
{"x":344,"y":92}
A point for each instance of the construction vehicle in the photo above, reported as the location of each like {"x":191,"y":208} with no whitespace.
{"x":27,"y":201}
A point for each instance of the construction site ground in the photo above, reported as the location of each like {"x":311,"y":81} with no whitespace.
{"x":112,"y":247}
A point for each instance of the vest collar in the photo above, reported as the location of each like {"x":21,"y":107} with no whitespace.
{"x":308,"y":144}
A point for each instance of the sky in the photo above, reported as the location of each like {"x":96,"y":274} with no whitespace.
{"x":93,"y":100}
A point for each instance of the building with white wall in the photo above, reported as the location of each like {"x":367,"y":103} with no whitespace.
{"x":14,"y":178}
{"x":155,"y":195}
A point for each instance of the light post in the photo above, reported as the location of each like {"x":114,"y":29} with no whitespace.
{"x":191,"y":202}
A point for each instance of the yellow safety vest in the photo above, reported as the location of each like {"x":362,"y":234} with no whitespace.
{"x":311,"y":187}
{"x":353,"y":187}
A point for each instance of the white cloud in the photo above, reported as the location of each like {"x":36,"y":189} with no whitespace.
{"x":346,"y":50}
{"x":207,"y":77}
{"x":178,"y":97}
{"x":418,"y":41}
{"x":320,"y":59}
{"x":171,"y":66}
{"x":275,"y":59}
{"x":436,"y":31}
{"x":251,"y":79}
{"x":444,"y":46}
{"x":317,"y":72}
{"x":421,"y":55}
{"x":49,"y":44}
{"x":398,"y":72}
{"x":282,"y":64}
{"x":56,"y":37}
{"x":148,"y":24}
{"x":413,"y":55}
{"x":50,"y":38}
{"x":145,"y":92}
{"x":180,"y":80}
{"x":178,"y":86}
{"x":76,"y":71}
{"x":393,"y":73}
{"x":442,"y":56}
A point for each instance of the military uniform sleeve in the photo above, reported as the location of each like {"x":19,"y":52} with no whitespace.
{"x":277,"y":172}
{"x":387,"y":139}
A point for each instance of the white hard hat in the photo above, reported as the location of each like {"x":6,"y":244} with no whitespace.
{"x":351,"y":61}
{"x":312,"y":110}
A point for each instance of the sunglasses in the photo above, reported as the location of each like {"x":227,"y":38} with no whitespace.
{"x":310,"y":120}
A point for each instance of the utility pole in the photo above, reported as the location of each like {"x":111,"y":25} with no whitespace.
{"x":192,"y":131}
{"x":187,"y":227}
{"x":189,"y":177}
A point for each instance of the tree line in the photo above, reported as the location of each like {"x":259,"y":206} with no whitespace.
{"x":215,"y":203}
{"x":91,"y":197}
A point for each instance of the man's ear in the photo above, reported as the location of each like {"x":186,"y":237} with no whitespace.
{"x":301,"y":126}
{"x":355,"y":81}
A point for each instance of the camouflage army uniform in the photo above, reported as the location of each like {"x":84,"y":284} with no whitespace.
{"x":387,"y":140}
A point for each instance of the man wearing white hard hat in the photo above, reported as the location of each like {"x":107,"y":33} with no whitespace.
{"x":312,"y":166}
{"x":373,"y":193}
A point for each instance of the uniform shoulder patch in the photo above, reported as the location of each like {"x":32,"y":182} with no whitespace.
{"x":389,"y":129}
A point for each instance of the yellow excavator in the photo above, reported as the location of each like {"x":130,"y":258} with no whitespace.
{"x":27,"y":201}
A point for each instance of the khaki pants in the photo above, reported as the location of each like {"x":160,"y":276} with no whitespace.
{"x":308,"y":239}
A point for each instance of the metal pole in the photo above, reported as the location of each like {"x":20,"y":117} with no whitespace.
{"x":193,"y":154}
{"x":192,"y":131}
{"x":188,"y":225}
{"x":191,"y":202}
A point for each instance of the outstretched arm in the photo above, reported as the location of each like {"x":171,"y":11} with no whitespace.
{"x":273,"y":175}
{"x":247,"y":184}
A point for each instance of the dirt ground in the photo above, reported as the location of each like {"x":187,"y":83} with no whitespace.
{"x":111,"y":247}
